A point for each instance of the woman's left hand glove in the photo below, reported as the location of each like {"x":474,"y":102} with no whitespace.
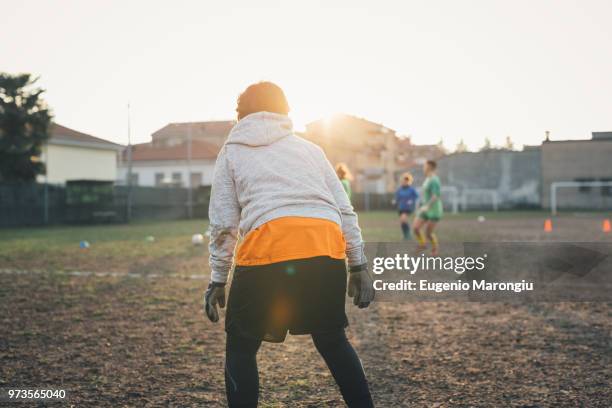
{"x":215,"y":294}
{"x":360,"y":286}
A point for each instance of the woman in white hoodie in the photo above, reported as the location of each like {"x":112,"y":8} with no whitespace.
{"x":279,"y":196}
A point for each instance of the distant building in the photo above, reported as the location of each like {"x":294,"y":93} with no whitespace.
{"x":73,"y":155}
{"x":410,"y":158}
{"x":368,"y":148}
{"x":522,"y":179}
{"x":601,"y":135}
{"x":410,"y":155}
{"x":159,"y":166}
{"x":165,"y":160}
{"x":213,"y":132}
{"x":514,"y":177}
{"x":578,"y":160}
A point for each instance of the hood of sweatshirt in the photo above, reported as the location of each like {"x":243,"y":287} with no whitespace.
{"x":260,"y":129}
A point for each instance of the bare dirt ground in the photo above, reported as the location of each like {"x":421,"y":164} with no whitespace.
{"x":135,"y":341}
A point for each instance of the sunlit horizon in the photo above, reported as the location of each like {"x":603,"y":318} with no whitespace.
{"x":430,"y":70}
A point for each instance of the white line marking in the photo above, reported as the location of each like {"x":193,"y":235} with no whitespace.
{"x":7,"y":271}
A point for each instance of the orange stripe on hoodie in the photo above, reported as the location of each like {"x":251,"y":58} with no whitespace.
{"x":287,"y":238}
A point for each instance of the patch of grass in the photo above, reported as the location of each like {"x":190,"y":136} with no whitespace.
{"x":112,"y":247}
{"x":299,"y":383}
{"x":124,"y":248}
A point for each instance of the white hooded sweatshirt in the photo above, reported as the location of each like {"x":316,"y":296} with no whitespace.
{"x":263,"y":172}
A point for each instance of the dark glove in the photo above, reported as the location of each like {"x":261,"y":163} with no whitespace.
{"x":215,"y":294}
{"x":360,"y":286}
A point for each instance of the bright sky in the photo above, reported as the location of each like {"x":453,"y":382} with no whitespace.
{"x":430,"y":69}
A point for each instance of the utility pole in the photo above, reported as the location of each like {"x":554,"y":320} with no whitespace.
{"x":129,"y":175}
{"x":46,"y":210}
{"x":189,"y":184}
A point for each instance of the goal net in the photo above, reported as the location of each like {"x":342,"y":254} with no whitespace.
{"x":479,"y":198}
{"x":580,"y":194}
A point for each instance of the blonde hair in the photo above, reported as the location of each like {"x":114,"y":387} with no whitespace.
{"x":407,"y":177}
{"x":343,"y":171}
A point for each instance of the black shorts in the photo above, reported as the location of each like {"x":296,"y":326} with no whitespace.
{"x":400,"y":212}
{"x":301,"y":296}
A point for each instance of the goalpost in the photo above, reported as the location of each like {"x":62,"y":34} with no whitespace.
{"x":453,"y":192}
{"x":447,"y":191}
{"x":492,"y":195}
{"x":555,"y":185}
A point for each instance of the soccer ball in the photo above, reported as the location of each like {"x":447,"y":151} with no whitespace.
{"x":197,"y":239}
{"x":150,"y":238}
{"x":481,"y":218}
{"x":84,"y":244}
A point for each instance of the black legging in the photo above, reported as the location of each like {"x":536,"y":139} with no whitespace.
{"x":242,"y":378}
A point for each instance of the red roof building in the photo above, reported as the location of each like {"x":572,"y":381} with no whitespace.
{"x":170,"y":160}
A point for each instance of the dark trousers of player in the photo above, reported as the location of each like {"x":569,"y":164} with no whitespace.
{"x":242,"y":378}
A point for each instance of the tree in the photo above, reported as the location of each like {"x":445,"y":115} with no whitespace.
{"x":487,"y":145}
{"x":24,"y":127}
{"x":461,"y":147}
{"x":441,"y":147}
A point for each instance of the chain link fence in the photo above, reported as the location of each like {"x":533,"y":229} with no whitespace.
{"x":97,"y":202}
{"x":93,"y":202}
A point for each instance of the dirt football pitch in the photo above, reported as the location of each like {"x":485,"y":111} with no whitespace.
{"x":121,"y":324}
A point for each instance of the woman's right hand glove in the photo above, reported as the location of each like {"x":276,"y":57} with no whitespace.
{"x":215,"y":294}
{"x":360,"y":286}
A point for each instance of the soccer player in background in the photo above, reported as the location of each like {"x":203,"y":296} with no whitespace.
{"x":406,"y":198}
{"x":430,"y":213}
{"x":345,"y":177}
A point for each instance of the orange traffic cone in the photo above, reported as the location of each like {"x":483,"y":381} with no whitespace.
{"x":605,"y":226}
{"x":548,"y":225}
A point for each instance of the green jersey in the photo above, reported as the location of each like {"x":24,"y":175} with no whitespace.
{"x":432,"y":187}
{"x":347,"y":187}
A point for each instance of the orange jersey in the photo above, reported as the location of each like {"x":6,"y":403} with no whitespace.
{"x":288,"y":238}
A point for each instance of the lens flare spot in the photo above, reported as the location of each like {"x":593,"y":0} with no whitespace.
{"x":290,"y":270}
{"x":281,"y":311}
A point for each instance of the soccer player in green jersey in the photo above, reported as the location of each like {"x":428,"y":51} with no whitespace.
{"x":430,"y":213}
{"x":345,"y":177}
